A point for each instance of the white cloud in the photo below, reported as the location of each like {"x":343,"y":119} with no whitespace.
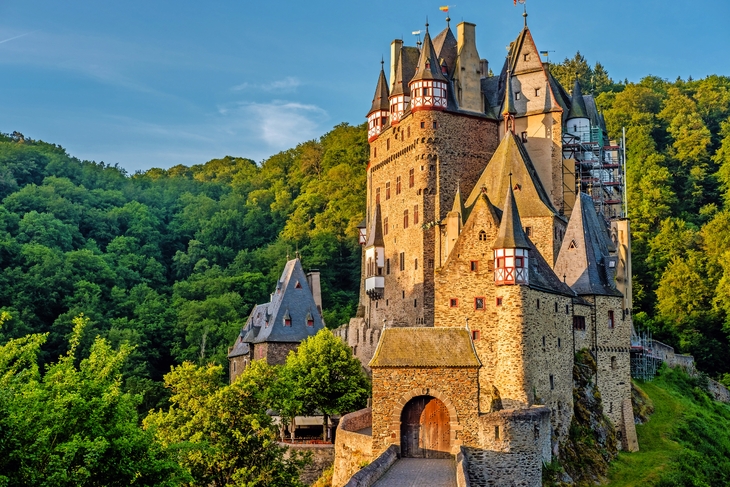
{"x":286,"y":85}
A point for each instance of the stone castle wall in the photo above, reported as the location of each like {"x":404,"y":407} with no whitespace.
{"x":456,"y":387}
{"x":353,"y":447}
{"x":361,"y":337}
{"x":323,"y":456}
{"x":275,"y":353}
{"x":513,"y":446}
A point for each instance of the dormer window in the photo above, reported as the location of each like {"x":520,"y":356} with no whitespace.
{"x":298,"y":285}
{"x":518,"y":95}
{"x":287,"y":319}
{"x":310,"y":319}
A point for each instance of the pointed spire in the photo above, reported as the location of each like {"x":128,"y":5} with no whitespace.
{"x":400,"y":85}
{"x":578,"y":105}
{"x":459,"y":204}
{"x":380,"y":100}
{"x":375,"y":233}
{"x":511,"y":235}
{"x":428,"y":67}
{"x":509,"y":97}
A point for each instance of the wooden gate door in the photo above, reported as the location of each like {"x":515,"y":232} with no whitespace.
{"x":425,"y":429}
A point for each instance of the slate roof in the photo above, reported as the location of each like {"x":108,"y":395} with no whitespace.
{"x":428,"y":67}
{"x":380,"y":99}
{"x":445,"y":46}
{"x":425,"y":347}
{"x":240,"y":347}
{"x":292,"y":297}
{"x":512,"y":157}
{"x":584,"y":257}
{"x":405,"y":69}
{"x":375,"y":232}
{"x":511,"y":235}
{"x":578,"y":105}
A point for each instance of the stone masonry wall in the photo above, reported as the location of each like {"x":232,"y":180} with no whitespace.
{"x":361,"y":337}
{"x":457,"y":388}
{"x":444,"y":150}
{"x":275,"y":353}
{"x":323,"y":456}
{"x":353,"y":448}
{"x":513,"y":446}
{"x":236,"y":365}
{"x":548,"y":327}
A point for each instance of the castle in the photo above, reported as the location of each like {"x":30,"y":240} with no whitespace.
{"x":494,"y":248}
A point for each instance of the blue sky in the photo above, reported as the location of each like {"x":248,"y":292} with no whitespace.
{"x":158,"y":83}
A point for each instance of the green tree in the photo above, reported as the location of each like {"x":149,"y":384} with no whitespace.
{"x":326,"y":377}
{"x":222,"y":435}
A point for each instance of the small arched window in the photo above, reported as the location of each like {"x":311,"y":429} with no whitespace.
{"x":482,"y":235}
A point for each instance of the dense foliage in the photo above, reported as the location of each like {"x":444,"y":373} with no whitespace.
{"x":172,"y":261}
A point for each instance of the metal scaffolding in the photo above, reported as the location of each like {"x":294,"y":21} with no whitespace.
{"x":644,"y":359}
{"x":599,"y":169}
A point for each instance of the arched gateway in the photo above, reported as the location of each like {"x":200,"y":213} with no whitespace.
{"x":425,"y":429}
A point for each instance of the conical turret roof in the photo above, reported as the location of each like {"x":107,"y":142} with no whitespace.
{"x":380,"y":99}
{"x":428,"y":67}
{"x":509,"y":97}
{"x":375,"y":232}
{"x":404,"y":69}
{"x":578,"y":105}
{"x":511,"y":235}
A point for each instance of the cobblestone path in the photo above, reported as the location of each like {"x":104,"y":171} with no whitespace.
{"x":419,"y":472}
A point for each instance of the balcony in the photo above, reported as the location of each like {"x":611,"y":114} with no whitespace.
{"x":375,"y":287}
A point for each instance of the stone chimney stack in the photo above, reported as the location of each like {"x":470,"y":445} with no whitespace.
{"x":468,"y":69}
{"x":313,"y":281}
{"x":484,"y":68}
{"x":395,"y":48}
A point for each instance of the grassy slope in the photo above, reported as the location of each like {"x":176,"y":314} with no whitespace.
{"x":668,"y":453}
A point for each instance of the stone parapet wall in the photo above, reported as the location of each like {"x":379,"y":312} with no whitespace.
{"x":718,"y":391}
{"x":372,"y":472}
{"x":462,"y":469}
{"x":352,"y":449}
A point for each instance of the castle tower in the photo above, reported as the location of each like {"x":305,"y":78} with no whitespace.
{"x":428,"y":86}
{"x":511,"y":249}
{"x":577,"y":122}
{"x":380,"y":109}
{"x":403,"y":65}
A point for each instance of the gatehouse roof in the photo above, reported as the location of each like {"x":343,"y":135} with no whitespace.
{"x":425,"y":347}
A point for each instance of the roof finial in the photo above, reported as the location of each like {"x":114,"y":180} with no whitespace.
{"x":510,"y":179}
{"x":426,"y":24}
{"x":448,"y":19}
{"x":524,"y":13}
{"x":382,"y":62}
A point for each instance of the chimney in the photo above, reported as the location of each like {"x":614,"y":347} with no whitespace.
{"x":484,"y":68}
{"x":467,"y":72}
{"x":313,"y":281}
{"x":395,"y":48}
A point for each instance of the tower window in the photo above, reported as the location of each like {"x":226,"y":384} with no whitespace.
{"x":387,"y":266}
{"x":402,"y":261}
{"x":415,"y":215}
{"x":387,"y":144}
{"x":482,"y":235}
{"x":415,"y":303}
{"x":613,"y":362}
{"x":556,"y":306}
{"x":377,"y":196}
{"x":537,"y":91}
{"x":559,"y":343}
{"x":579,"y":323}
{"x":408,"y":132}
{"x":526,"y":57}
{"x":375,"y":152}
{"x":567,"y":310}
{"x":405,"y":219}
{"x":499,"y":301}
{"x":411,"y":178}
{"x":423,"y":125}
{"x":385,"y":226}
{"x":479,"y":303}
{"x":496,"y":432}
{"x":538,"y":304}
{"x":425,"y":92}
{"x":610,"y":319}
{"x":475,"y":335}
{"x":430,"y":263}
{"x":415,"y":264}
{"x":453,"y":303}
{"x":397,"y":185}
{"x":552,"y":382}
{"x":435,"y":124}
{"x":528,"y":231}
{"x":543,"y":341}
{"x":474,"y":265}
{"x":387,"y":190}
{"x":524,"y":137}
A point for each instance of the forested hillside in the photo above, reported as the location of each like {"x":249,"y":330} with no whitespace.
{"x":678,"y":182}
{"x":172,"y":261}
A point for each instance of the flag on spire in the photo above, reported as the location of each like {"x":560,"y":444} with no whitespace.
{"x":520,"y":1}
{"x":445,"y":8}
